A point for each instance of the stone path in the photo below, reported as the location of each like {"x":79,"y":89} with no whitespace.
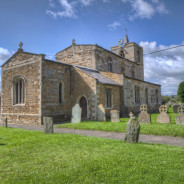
{"x":174,"y":141}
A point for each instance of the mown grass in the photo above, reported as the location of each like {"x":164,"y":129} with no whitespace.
{"x":34,"y":157}
{"x":154,"y":128}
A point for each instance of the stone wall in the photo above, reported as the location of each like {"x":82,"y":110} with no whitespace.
{"x":129,"y":96}
{"x":103,"y":57}
{"x":53,"y":74}
{"x":76,"y":84}
{"x":28,"y":66}
{"x":81,"y":55}
{"x":84,"y":85}
{"x":116,"y":99}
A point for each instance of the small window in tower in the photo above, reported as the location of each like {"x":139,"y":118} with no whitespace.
{"x":137,"y":95}
{"x":122,"y":54}
{"x":146,"y":94}
{"x":132,"y":72}
{"x":109,"y":67}
{"x":138,"y":56}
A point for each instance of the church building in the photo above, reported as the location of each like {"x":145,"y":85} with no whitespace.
{"x":33,"y":87}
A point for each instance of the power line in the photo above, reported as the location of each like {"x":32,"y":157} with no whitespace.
{"x":163,"y":50}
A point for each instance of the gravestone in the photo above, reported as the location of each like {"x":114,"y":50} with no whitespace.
{"x":101,"y":113}
{"x":48,"y":124}
{"x":132,"y":130}
{"x":175,"y":108}
{"x":114,"y":116}
{"x":76,"y":113}
{"x":180,"y":118}
{"x":144,"y":117}
{"x":5,"y":122}
{"x":163,"y":117}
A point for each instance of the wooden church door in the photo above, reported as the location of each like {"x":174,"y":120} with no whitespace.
{"x":83,"y":105}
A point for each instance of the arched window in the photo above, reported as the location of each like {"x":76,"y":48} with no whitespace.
{"x":18,"y":90}
{"x":146,"y":94}
{"x":61,"y":88}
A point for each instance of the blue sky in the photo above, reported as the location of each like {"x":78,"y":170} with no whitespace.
{"x":48,"y":26}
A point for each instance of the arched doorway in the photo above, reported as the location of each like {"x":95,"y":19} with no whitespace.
{"x":83,"y":105}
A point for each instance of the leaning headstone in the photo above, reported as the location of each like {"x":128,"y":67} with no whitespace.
{"x":76,"y":114}
{"x":144,"y":117}
{"x":180,"y":118}
{"x":101,"y":113}
{"x":48,"y":124}
{"x":163,"y":117}
{"x":5,"y":122}
{"x":114,"y":116}
{"x":132,"y":130}
{"x":175,"y":108}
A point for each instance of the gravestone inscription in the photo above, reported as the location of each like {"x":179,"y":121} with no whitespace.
{"x":76,"y":113}
{"x":132,"y":130}
{"x":163,"y":117}
{"x":180,"y":118}
{"x":144,"y":117}
{"x":114,"y":116}
{"x":48,"y":124}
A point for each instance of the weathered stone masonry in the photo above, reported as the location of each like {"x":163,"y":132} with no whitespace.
{"x":33,"y":87}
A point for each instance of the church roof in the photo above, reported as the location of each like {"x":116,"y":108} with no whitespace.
{"x":99,"y":76}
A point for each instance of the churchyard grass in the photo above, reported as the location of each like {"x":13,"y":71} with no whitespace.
{"x":35,"y":157}
{"x":154,"y":128}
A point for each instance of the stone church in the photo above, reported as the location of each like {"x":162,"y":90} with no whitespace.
{"x":34,"y":87}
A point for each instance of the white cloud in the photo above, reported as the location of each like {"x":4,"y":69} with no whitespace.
{"x":68,"y":10}
{"x":4,"y":55}
{"x":114,"y":25}
{"x":86,"y":2}
{"x":165,"y":68}
{"x":145,"y":9}
{"x":51,"y":3}
{"x":142,"y":9}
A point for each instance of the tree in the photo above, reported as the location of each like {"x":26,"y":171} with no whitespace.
{"x":165,"y":99}
{"x":181,"y":92}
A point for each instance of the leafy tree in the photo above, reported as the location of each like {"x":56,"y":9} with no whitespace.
{"x":181,"y":92}
{"x":165,"y":99}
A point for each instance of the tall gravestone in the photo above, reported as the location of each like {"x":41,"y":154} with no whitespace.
{"x":76,"y":113}
{"x":114,"y":116}
{"x":48,"y":124}
{"x":144,"y":117}
{"x":101,"y":113}
{"x":163,"y":117}
{"x":132,"y":130}
{"x":180,"y":118}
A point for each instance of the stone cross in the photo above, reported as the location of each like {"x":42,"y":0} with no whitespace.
{"x":20,"y":45}
{"x":180,"y":118}
{"x":143,"y":108}
{"x":131,"y":114}
{"x":73,"y":41}
{"x":163,"y":117}
{"x":181,"y":110}
{"x":144,"y":117}
{"x":163,"y":108}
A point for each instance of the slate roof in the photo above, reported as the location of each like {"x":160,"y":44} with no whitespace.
{"x":99,"y":76}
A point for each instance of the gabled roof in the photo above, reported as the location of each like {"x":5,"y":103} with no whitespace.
{"x":99,"y":76}
{"x":18,"y":52}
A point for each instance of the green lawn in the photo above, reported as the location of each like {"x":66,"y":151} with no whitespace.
{"x":154,"y":128}
{"x":34,"y":157}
